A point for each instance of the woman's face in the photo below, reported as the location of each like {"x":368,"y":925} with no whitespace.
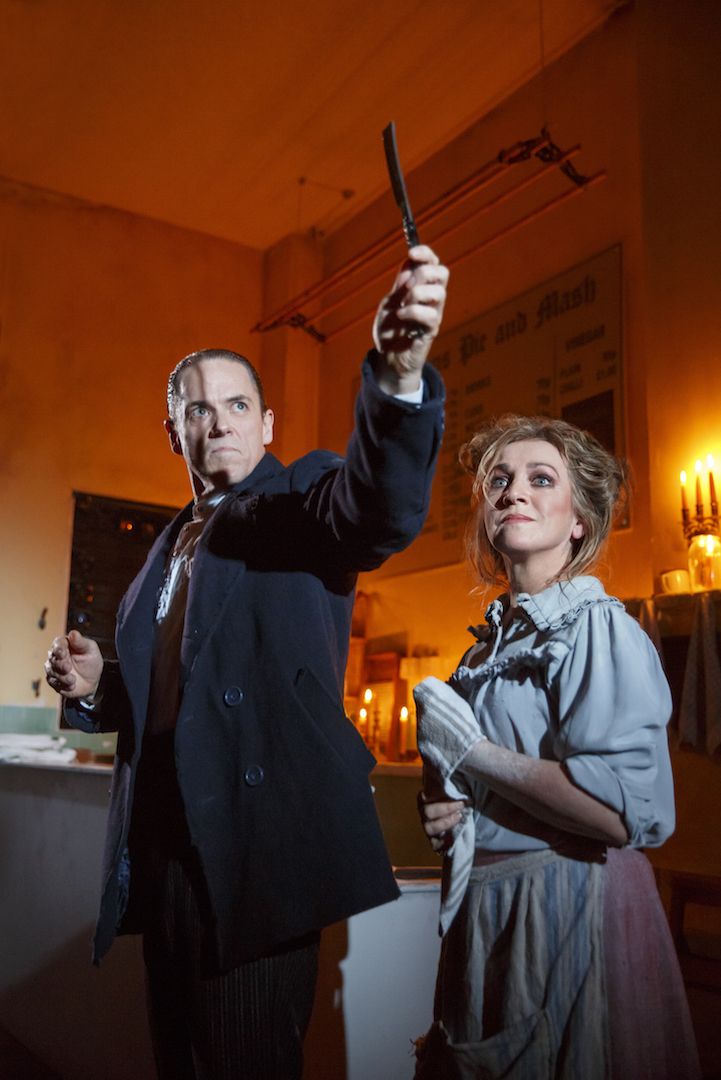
{"x":529,"y":515}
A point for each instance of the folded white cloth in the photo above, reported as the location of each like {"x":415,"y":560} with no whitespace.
{"x":34,"y":742}
{"x":35,"y":749}
{"x":447,"y":729}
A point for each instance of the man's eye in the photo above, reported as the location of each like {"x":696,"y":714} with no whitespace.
{"x":198,"y":411}
{"x":239,"y":406}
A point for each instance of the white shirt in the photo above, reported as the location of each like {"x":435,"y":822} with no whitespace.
{"x":170,"y":617}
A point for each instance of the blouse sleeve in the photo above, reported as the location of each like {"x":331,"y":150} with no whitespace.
{"x":614,"y":704}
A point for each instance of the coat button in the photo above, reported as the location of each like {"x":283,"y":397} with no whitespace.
{"x":253,"y":775}
{"x":233,"y":695}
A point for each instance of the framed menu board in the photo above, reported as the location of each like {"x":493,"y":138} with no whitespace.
{"x":556,"y":350}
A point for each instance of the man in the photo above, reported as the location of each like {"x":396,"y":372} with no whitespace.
{"x":241,"y":818}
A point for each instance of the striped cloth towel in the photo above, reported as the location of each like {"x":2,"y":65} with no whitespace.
{"x":447,"y":729}
{"x":700,"y":713}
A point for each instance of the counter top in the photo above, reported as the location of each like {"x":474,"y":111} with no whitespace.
{"x":62,"y":766}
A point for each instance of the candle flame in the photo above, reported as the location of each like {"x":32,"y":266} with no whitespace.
{"x":404,"y":713}
{"x":368,"y":696}
{"x":363,"y":714}
{"x":683,"y":476}
{"x":709,"y":462}
{"x":698,"y":467}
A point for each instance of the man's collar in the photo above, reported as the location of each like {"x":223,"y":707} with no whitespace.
{"x":267,"y":467}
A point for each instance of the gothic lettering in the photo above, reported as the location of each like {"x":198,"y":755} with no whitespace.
{"x":479,"y":384}
{"x":507,"y":330}
{"x":471,"y":345}
{"x":557,"y":303}
{"x":586,"y":337}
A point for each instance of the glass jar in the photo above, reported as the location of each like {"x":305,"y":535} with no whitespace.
{"x":704,"y":562}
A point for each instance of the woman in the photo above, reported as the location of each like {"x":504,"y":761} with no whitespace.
{"x":557,"y":960}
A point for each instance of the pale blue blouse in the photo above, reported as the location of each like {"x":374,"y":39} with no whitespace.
{"x":574,"y":679}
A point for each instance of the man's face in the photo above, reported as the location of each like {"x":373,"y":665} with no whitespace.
{"x":218,"y":425}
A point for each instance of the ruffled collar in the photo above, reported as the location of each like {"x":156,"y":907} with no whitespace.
{"x":558,"y":605}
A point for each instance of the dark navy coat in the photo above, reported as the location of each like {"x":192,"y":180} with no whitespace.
{"x":274,"y":777}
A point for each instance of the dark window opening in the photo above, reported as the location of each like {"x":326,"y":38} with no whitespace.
{"x":111,"y":540}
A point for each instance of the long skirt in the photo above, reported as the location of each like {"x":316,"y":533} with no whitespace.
{"x":559,"y":968}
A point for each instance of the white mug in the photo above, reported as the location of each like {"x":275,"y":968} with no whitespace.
{"x":676,"y":581}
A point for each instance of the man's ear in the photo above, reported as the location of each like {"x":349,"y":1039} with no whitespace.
{"x":268,"y":421}
{"x":173,"y":436}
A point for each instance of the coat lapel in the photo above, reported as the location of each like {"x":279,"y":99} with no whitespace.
{"x":214,"y":577}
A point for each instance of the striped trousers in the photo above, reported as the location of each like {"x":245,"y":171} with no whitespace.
{"x":206,"y":1024}
{"x":244,"y":1024}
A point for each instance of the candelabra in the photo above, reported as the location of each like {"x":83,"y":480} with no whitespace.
{"x":703,"y":535}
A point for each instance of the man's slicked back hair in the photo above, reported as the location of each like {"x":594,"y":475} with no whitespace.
{"x":210,"y":354}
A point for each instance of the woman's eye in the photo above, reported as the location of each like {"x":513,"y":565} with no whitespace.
{"x":499,"y":482}
{"x":542,"y":481}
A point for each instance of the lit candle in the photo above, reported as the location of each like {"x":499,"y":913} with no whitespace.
{"x":699,"y":500}
{"x":684,"y":502}
{"x":363,"y":725}
{"x":712,"y":487}
{"x":403,"y":731}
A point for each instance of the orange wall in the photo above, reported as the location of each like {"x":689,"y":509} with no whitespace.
{"x":86,"y":291}
{"x":642,"y":110}
{"x":290,"y":357}
{"x":641,"y":95}
{"x":589,"y":97}
{"x":679,"y":46}
{"x":96,"y":306}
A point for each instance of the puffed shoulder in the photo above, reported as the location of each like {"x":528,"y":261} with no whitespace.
{"x":614,"y":704}
{"x":608,"y":631}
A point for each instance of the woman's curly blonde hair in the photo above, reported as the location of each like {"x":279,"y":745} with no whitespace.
{"x":599,"y":485}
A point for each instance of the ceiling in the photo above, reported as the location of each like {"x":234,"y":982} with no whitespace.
{"x":207,"y":113}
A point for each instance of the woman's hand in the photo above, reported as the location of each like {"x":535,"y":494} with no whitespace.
{"x":439,"y":817}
